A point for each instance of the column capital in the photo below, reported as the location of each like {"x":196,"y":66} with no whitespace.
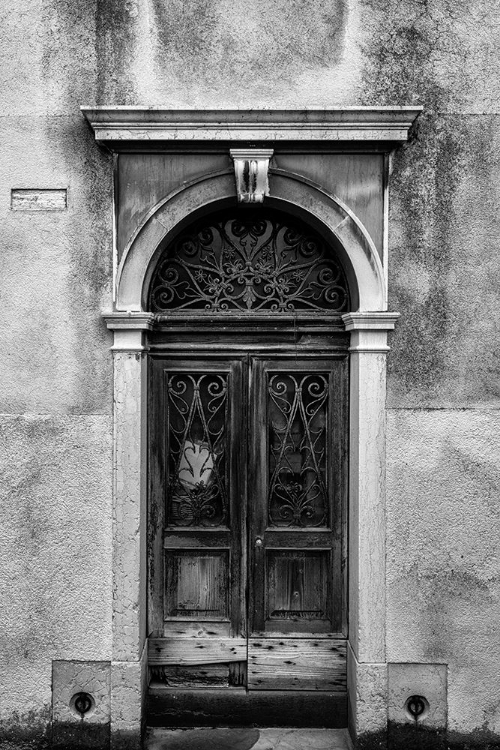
{"x":131,"y":320}
{"x":369,"y":331}
{"x":370,"y":321}
{"x":129,"y":329}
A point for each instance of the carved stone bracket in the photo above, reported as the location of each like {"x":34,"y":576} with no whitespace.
{"x":250,"y":170}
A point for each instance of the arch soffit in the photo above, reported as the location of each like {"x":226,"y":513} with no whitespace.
{"x":285,"y":188}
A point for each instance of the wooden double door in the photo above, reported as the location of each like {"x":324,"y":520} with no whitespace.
{"x":247,"y":540}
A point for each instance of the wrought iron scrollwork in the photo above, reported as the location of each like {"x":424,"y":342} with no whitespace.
{"x":197,"y":411}
{"x":298,"y":406}
{"x":246,"y":266}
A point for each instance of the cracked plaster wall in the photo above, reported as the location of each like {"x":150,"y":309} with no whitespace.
{"x":56,"y":277}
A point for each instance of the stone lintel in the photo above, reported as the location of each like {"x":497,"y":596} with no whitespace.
{"x":115,"y":124}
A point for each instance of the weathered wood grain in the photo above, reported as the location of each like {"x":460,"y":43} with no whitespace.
{"x":296,"y":664}
{"x":196,"y":584}
{"x":190,"y":629}
{"x":191,"y":651}
{"x":197,"y":676}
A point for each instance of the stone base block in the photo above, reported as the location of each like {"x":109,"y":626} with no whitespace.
{"x":81,"y":706}
{"x":367,"y":688}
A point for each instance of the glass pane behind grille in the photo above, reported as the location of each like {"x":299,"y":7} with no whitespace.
{"x":197,"y":417}
{"x":298,"y":411}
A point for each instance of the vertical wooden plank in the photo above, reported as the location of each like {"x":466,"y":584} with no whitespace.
{"x":339,"y":415}
{"x":156,"y":506}
{"x":237,"y":442}
{"x":258,"y":493}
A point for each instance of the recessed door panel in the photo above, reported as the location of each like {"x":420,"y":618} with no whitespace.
{"x":197,"y":584}
{"x":297,"y":586}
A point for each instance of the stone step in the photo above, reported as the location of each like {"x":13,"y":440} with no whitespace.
{"x":247,"y":739}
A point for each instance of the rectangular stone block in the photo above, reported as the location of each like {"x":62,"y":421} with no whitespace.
{"x":52,"y":199}
{"x":367,"y":689}
{"x":81,"y":705}
{"x":428,"y":681}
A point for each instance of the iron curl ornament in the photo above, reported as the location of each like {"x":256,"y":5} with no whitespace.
{"x":249,"y":264}
{"x":298,"y":409}
{"x":197,"y":416}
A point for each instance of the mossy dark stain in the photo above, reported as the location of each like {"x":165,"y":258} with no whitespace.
{"x":418,"y":737}
{"x":426,"y":179}
{"x":26,"y":731}
{"x":89,"y":251}
{"x":115,"y":43}
{"x":206,"y":45}
{"x":68,"y":62}
{"x":80,"y":736}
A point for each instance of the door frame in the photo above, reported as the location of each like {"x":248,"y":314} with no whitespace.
{"x":369,"y":325}
{"x":247,"y":367}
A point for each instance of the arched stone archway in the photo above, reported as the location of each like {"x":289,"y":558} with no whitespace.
{"x":286,"y":190}
{"x":369,"y":325}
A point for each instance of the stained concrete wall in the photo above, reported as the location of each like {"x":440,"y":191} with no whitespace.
{"x":56,"y":278}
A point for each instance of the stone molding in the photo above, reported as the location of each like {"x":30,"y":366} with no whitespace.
{"x":115,"y":124}
{"x":129,"y":329}
{"x":286,"y":189}
{"x":128,"y":321}
{"x":369,"y":330}
{"x":370,"y":321}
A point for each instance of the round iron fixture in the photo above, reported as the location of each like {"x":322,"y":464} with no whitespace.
{"x":417,"y":706}
{"x":82,"y":702}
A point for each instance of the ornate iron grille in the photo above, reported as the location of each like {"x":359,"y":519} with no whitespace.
{"x":298,"y":407}
{"x":197,"y":416}
{"x":248,"y":265}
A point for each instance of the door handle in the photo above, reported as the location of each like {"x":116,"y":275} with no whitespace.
{"x":258,"y":542}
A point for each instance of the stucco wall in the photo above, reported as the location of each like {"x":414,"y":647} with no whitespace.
{"x":56,"y":394}
{"x":56,"y":279}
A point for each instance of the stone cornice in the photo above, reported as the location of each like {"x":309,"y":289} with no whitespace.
{"x":370,"y":321}
{"x":115,"y":125}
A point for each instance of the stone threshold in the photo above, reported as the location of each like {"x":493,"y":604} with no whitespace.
{"x":248,"y":738}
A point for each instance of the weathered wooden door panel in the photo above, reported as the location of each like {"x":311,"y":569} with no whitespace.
{"x":203,"y":555}
{"x":197,"y":584}
{"x":258,"y":441}
{"x":298,"y":456}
